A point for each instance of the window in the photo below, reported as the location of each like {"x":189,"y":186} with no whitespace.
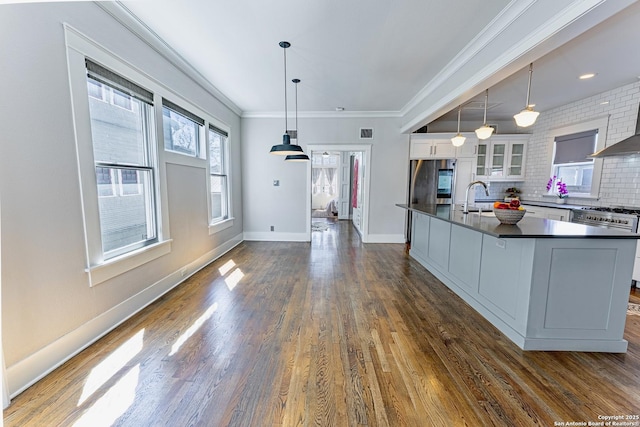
{"x":571,"y":163}
{"x":182,"y":130}
{"x":218,"y":174}
{"x":122,"y":139}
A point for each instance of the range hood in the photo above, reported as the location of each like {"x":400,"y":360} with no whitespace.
{"x":625,"y":147}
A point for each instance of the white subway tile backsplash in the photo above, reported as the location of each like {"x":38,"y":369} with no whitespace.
{"x":620,"y":183}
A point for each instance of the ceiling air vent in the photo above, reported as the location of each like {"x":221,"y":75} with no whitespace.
{"x":366,"y":133}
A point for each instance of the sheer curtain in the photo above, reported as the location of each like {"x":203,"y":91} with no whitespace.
{"x":330,"y":173}
{"x":316,"y":177}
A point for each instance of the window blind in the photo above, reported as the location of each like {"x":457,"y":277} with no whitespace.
{"x":178,"y":109}
{"x":218,"y":130}
{"x":575,"y":148}
{"x":108,"y":77}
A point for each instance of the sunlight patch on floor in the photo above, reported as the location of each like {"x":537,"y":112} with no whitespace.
{"x":192,"y":329}
{"x":113,"y":404}
{"x":226,"y":267}
{"x":111,"y":365}
{"x":234,"y":278}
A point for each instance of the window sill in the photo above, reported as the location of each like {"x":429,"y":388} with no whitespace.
{"x":123,"y":263}
{"x":219,"y":226}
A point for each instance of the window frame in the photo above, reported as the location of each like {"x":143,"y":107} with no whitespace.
{"x":600,"y":124}
{"x":222,"y":174}
{"x":186,"y":114}
{"x":218,"y":224}
{"x":99,"y":268}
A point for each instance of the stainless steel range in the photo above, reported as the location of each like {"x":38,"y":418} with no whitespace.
{"x":618,"y":218}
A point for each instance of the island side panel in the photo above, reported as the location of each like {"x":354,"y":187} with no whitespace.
{"x":505,"y":279}
{"x":579,"y":294}
{"x":464,"y":259}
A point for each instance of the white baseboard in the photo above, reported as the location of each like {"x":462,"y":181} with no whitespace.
{"x":270,"y":236}
{"x":28,"y":371}
{"x":385,"y":238}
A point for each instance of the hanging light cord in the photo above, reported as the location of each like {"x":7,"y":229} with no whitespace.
{"x":486,"y":101}
{"x":529,"y":85}
{"x":296,"y":82}
{"x":459,"y":110}
{"x":286,"y":128}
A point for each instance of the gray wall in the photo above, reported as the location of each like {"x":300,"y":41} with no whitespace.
{"x":46,"y":297}
{"x":285,"y":206}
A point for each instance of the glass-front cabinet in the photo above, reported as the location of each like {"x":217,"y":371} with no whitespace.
{"x":502,"y":157}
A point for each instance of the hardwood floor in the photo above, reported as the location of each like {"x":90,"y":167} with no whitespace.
{"x":332,"y":333}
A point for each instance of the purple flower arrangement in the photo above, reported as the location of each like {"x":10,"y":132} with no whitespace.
{"x":561,"y":187}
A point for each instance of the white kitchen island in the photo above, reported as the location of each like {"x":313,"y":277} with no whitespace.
{"x":545,"y":284}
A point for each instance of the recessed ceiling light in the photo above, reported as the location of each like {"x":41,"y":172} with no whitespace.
{"x":604,"y":103}
{"x":587,"y":76}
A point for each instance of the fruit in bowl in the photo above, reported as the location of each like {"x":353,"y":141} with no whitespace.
{"x":509,"y":213}
{"x":512,"y":205}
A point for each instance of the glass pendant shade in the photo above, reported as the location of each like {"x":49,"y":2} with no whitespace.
{"x":526,"y":117}
{"x":484,"y":132}
{"x":458,"y":140}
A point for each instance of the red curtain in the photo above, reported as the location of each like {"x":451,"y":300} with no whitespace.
{"x":354,"y":193}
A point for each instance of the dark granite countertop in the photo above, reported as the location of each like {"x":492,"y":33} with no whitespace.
{"x":528,"y":227}
{"x":539,"y":203}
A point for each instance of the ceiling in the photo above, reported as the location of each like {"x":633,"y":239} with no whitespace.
{"x":376,"y":56}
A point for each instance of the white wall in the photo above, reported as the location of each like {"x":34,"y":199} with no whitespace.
{"x":48,"y":309}
{"x":284,"y":207}
{"x":620,"y":175}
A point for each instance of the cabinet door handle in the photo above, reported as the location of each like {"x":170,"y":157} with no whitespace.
{"x":435,"y":148}
{"x":431,"y":150}
{"x":475,"y":150}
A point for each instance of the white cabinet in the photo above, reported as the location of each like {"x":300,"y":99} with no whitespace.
{"x":558,"y":214}
{"x":431,"y":146}
{"x":469,"y":149}
{"x":501,"y":157}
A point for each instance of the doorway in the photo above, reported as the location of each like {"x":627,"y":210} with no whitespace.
{"x":342,"y":188}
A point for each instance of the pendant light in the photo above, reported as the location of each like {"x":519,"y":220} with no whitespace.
{"x":286,"y":147}
{"x":297,"y":157}
{"x":527,"y":117}
{"x":458,"y":140}
{"x":485,"y":131}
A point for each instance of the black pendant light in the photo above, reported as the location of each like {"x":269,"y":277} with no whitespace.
{"x":297,"y":157}
{"x":286,"y":147}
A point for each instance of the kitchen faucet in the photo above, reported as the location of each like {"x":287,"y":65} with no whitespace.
{"x":465,"y":209}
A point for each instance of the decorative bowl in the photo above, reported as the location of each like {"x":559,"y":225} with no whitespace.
{"x":509,"y":216}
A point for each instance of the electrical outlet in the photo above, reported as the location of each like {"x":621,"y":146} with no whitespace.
{"x":273,"y":228}
{"x":276,"y":183}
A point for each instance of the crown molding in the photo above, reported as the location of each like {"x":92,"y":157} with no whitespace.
{"x":498,"y":25}
{"x":322,"y":114}
{"x":528,"y":48}
{"x":131,"y":22}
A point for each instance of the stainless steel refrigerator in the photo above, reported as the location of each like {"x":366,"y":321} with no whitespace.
{"x":431,"y":182}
